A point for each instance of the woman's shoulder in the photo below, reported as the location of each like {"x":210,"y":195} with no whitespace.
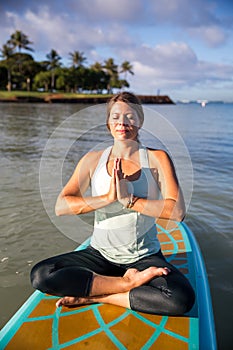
{"x":158,"y":157}
{"x":158,"y":153}
{"x":91,"y":155}
{"x":91,"y":159}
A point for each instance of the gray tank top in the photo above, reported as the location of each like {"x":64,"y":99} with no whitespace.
{"x":124,"y":235}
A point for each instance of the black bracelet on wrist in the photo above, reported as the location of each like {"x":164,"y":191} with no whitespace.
{"x":132,"y":200}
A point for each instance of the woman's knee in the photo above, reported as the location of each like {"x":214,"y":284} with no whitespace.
{"x":184,"y":299}
{"x":163,"y":301}
{"x":190,"y":299}
{"x":38,"y":277}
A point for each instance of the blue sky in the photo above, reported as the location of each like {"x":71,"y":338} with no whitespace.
{"x":184,"y":48}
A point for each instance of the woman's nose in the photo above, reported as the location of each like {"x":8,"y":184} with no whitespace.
{"x":123,"y":120}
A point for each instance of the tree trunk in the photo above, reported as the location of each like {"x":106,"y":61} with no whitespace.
{"x":9,"y":85}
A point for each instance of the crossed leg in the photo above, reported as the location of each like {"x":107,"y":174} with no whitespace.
{"x":114,"y":290}
{"x":149,"y":285}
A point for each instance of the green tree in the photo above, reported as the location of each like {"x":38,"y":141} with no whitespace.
{"x":67,"y":79}
{"x":3,"y":77}
{"x":63,"y":79}
{"x":53,"y":63}
{"x":23,"y":70}
{"x":6,"y":53}
{"x":20,"y":70}
{"x":42,"y":80}
{"x":20,"y":40}
{"x":99,"y":77}
{"x":126,"y":67}
{"x":97,"y":66}
{"x":30,"y":68}
{"x":77,"y":58}
{"x":112,"y":70}
{"x":110,"y":67}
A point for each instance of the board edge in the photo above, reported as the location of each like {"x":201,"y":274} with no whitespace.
{"x":207,"y":333}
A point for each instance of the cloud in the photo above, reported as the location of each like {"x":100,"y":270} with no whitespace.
{"x":175,"y":65}
{"x":213,"y":36}
{"x":163,"y":58}
{"x":50,"y":30}
{"x":200,"y":19}
{"x":102,"y":11}
{"x":92,"y":23}
{"x":93,"y":11}
{"x":185,"y":13}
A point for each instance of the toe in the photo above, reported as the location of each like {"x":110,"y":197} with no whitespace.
{"x":59,"y":303}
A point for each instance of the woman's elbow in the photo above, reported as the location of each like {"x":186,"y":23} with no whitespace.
{"x":176,"y":210}
{"x":60,"y":206}
{"x":178,"y":213}
{"x":179,"y":216}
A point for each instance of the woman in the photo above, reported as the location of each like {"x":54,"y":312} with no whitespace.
{"x":131,"y":187}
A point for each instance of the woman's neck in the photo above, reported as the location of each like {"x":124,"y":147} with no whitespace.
{"x":124,"y":149}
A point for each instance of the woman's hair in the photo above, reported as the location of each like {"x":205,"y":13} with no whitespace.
{"x":128,"y":98}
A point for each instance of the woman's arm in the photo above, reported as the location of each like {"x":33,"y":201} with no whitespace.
{"x":71,"y":200}
{"x":171,"y":206}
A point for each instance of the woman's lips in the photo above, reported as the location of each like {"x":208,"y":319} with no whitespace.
{"x":122,"y":131}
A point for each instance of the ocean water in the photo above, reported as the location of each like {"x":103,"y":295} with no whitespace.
{"x":40,"y":145}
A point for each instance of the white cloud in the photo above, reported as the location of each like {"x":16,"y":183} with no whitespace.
{"x":49,"y":30}
{"x":197,"y":18}
{"x":101,"y":11}
{"x":185,"y":13}
{"x":169,"y":58}
{"x":174,"y":65}
{"x":213,"y":36}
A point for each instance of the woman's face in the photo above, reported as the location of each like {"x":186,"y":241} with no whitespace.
{"x":123,"y":121}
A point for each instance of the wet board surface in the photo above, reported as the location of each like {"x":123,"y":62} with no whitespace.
{"x":38,"y":325}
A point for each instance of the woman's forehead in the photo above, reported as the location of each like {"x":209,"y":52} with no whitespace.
{"x":120,"y":106}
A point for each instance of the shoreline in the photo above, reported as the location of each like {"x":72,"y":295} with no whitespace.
{"x":89,"y":99}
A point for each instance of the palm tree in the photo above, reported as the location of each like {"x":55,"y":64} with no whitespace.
{"x":110,"y":66}
{"x":97,"y":66}
{"x":53,"y":63}
{"x":111,"y":69}
{"x":42,"y":80}
{"x":99,"y":77}
{"x":20,"y":40}
{"x":126,"y":67}
{"x":77,"y":58}
{"x":6,"y":53}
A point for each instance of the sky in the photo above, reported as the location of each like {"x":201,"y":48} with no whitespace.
{"x":180,"y":48}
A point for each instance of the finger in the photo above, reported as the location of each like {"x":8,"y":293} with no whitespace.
{"x":115,"y":163}
{"x":165,"y":270}
{"x":120,"y":164}
{"x":113,"y":171}
{"x":118,"y":161}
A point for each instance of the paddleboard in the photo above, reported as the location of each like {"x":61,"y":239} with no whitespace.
{"x":39,"y":325}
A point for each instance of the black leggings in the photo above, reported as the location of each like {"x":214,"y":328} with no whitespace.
{"x":71,"y":274}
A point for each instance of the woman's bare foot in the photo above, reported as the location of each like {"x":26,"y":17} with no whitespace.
{"x":73,"y":301}
{"x":137,"y":278}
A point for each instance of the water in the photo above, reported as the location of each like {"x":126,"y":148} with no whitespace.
{"x":30,"y":231}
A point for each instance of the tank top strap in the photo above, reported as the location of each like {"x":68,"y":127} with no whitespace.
{"x":143,"y":154}
{"x":105,"y":155}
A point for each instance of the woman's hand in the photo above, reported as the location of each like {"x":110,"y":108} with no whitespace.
{"x":122,"y":193}
{"x":112,"y":193}
{"x":118,"y":186}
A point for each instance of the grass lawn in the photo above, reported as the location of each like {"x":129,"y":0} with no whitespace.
{"x":43,"y":95}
